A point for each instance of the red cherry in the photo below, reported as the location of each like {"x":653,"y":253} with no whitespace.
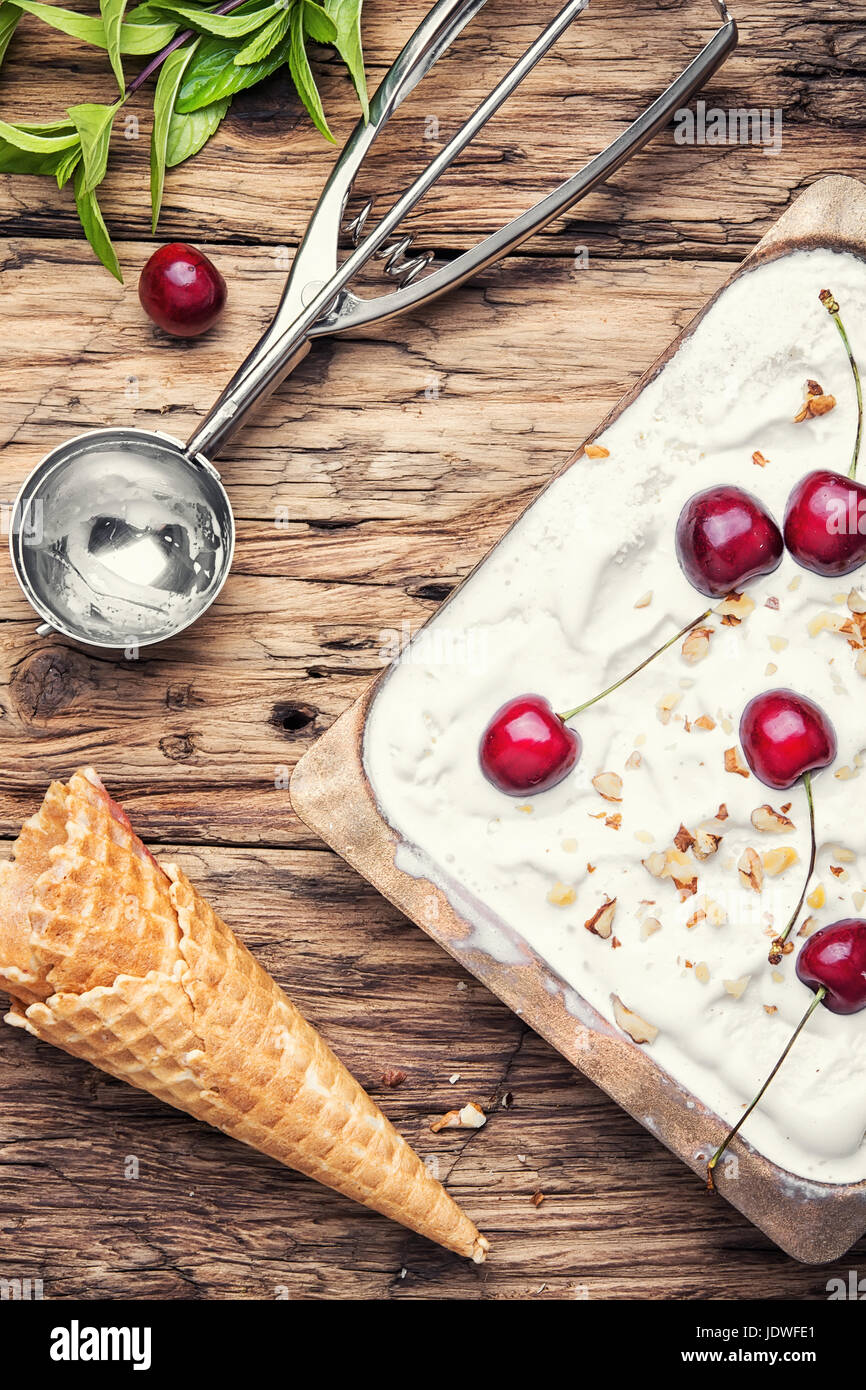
{"x":825,"y":523}
{"x":527,"y":748}
{"x":785,"y":735}
{"x":833,"y":965}
{"x":724,"y":538}
{"x":181,"y":290}
{"x":834,"y":959}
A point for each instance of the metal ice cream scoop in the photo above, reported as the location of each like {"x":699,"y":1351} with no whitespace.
{"x":123,"y":537}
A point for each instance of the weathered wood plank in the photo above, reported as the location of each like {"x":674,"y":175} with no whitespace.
{"x":665,"y":203}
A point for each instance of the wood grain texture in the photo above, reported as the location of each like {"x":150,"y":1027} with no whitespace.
{"x":364,"y":490}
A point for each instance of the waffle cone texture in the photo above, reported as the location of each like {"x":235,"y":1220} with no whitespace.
{"x":118,"y":960}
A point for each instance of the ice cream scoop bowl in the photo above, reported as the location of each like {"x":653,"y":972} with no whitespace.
{"x":119,"y":538}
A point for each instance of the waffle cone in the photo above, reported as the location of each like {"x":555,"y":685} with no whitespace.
{"x":120,"y":961}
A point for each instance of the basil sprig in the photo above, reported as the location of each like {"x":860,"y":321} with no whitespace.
{"x":204,"y":55}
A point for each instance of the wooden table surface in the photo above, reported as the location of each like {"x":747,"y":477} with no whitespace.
{"x":365,"y":489}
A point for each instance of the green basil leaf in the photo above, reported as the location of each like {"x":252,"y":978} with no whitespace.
{"x":244,"y":20}
{"x":213,"y":75}
{"x":167,"y":87}
{"x":266,"y":40}
{"x":135,"y":37}
{"x":14,"y":160}
{"x":94,"y":225}
{"x":346,"y":14}
{"x":93,"y":124}
{"x":66,"y":165}
{"x":9,"y":17}
{"x":319,"y":24}
{"x":190,"y":131}
{"x":302,"y":73}
{"x":112,"y":21}
{"x":35,"y":141}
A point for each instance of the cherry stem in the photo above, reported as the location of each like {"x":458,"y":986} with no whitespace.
{"x":820,"y":996}
{"x":776,"y":949}
{"x":578,"y":709}
{"x":831,"y":304}
{"x":177,"y":42}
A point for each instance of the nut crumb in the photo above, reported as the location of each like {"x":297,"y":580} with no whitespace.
{"x":637,"y":1028}
{"x":596,"y":451}
{"x":758,"y":458}
{"x":696,"y":645}
{"x":393,"y":1077}
{"x":471,"y":1116}
{"x":771,"y":822}
{"x":734,"y":762}
{"x":751,"y":870}
{"x":601,"y":923}
{"x":537,"y":1199}
{"x":608,"y":785}
{"x":737,"y":988}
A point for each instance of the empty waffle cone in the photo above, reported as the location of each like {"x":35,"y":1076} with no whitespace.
{"x":118,"y":960}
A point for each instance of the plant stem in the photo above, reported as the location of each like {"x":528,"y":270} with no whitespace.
{"x":711,"y":1166}
{"x":578,"y":709}
{"x":776,"y":948}
{"x":177,"y":42}
{"x":831,"y":304}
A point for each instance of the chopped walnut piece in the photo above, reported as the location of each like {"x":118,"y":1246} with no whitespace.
{"x":714,"y":913}
{"x":699,"y":915}
{"x":393,"y":1078}
{"x":608,"y":785}
{"x":684,"y":839}
{"x":826,"y":621}
{"x":537,"y":1199}
{"x":470,"y":1117}
{"x":648,"y":927}
{"x":734,"y":762}
{"x":816,"y":403}
{"x":596,"y":451}
{"x":601,"y":923}
{"x":758,"y":458}
{"x":705,"y":722}
{"x":614,"y":822}
{"x":737,"y":987}
{"x":637,"y":1028}
{"x":706,"y":844}
{"x":737,"y":606}
{"x":696,"y":644}
{"x":656,"y":864}
{"x":777,"y":861}
{"x":751,"y":870}
{"x":771,"y":1008}
{"x":856,"y":601}
{"x":722,"y":813}
{"x":771,"y":822}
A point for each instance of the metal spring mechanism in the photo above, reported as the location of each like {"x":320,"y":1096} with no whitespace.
{"x":397,"y":263}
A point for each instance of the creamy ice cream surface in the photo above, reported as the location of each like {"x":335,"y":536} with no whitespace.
{"x":582,"y":589}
